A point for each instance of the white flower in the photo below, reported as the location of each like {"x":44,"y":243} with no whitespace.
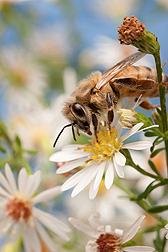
{"x":19,"y":215}
{"x":166,"y":227}
{"x":107,"y":240}
{"x":97,"y":158}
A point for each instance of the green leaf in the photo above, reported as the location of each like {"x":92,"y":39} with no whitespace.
{"x":150,"y":134}
{"x":154,"y":153}
{"x":160,"y":243}
{"x":30,"y":151}
{"x":156,"y":142}
{"x":18,"y":141}
{"x":153,"y":229}
{"x":158,"y":110}
{"x":158,"y":209}
{"x":146,"y":192}
{"x":2,"y":149}
{"x":151,"y":164}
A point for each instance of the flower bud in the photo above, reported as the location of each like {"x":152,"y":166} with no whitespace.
{"x":127,"y":118}
{"x":132,"y":32}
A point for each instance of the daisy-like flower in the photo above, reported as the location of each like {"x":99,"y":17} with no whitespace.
{"x":18,"y":213}
{"x":107,"y":240}
{"x":97,"y":158}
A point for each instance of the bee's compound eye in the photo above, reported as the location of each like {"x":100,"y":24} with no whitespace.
{"x":78,"y":110}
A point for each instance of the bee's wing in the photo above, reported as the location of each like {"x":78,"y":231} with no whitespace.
{"x":112,"y":72}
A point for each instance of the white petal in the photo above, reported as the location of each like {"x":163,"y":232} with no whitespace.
{"x":99,"y":175}
{"x":140,"y":145}
{"x":108,"y":229}
{"x":47,"y":195}
{"x":2,"y":213}
{"x":35,"y":241}
{"x":33,"y":183}
{"x":94,"y":220}
{"x":132,"y":230}
{"x":26,"y":241}
{"x":22,"y":180}
{"x":5,"y":183}
{"x":10,"y":177}
{"x":109,"y":177}
{"x":71,"y":165}
{"x":92,"y":192}
{"x":87,"y":178}
{"x":75,"y":178}
{"x":120,"y":158}
{"x":71,"y":147}
{"x":15,"y":233}
{"x":166,"y":226}
{"x":5,"y":225}
{"x":29,"y":184}
{"x":138,"y":102}
{"x":44,"y":236}
{"x":132,"y":131}
{"x":4,"y":193}
{"x":52,"y":223}
{"x":119,"y":169}
{"x":83,"y":227}
{"x":138,"y":249}
{"x":90,"y":248}
{"x":63,"y":156}
{"x":152,"y":126}
{"x":129,"y":103}
{"x":37,"y":181}
{"x":118,"y":232}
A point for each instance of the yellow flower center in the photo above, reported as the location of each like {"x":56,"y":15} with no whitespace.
{"x":107,"y":145}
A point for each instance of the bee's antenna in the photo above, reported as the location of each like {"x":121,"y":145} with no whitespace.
{"x":68,"y":125}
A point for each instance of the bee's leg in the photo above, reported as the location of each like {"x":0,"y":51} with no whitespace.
{"x":110,"y":106}
{"x":78,"y":132}
{"x":148,"y":105}
{"x":95,"y":124}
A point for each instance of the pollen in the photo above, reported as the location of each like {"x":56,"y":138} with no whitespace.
{"x":19,"y":208}
{"x":107,"y":145}
{"x":108,"y":243}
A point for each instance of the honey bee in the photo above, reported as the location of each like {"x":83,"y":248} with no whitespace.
{"x":97,"y":96}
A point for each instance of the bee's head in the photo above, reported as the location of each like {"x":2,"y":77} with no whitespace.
{"x":78,"y":118}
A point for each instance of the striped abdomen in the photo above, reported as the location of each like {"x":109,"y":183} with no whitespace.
{"x":136,"y":80}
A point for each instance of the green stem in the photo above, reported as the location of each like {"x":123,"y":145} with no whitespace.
{"x":162,"y":100}
{"x":143,"y":204}
{"x":139,"y":169}
{"x":130,"y":162}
